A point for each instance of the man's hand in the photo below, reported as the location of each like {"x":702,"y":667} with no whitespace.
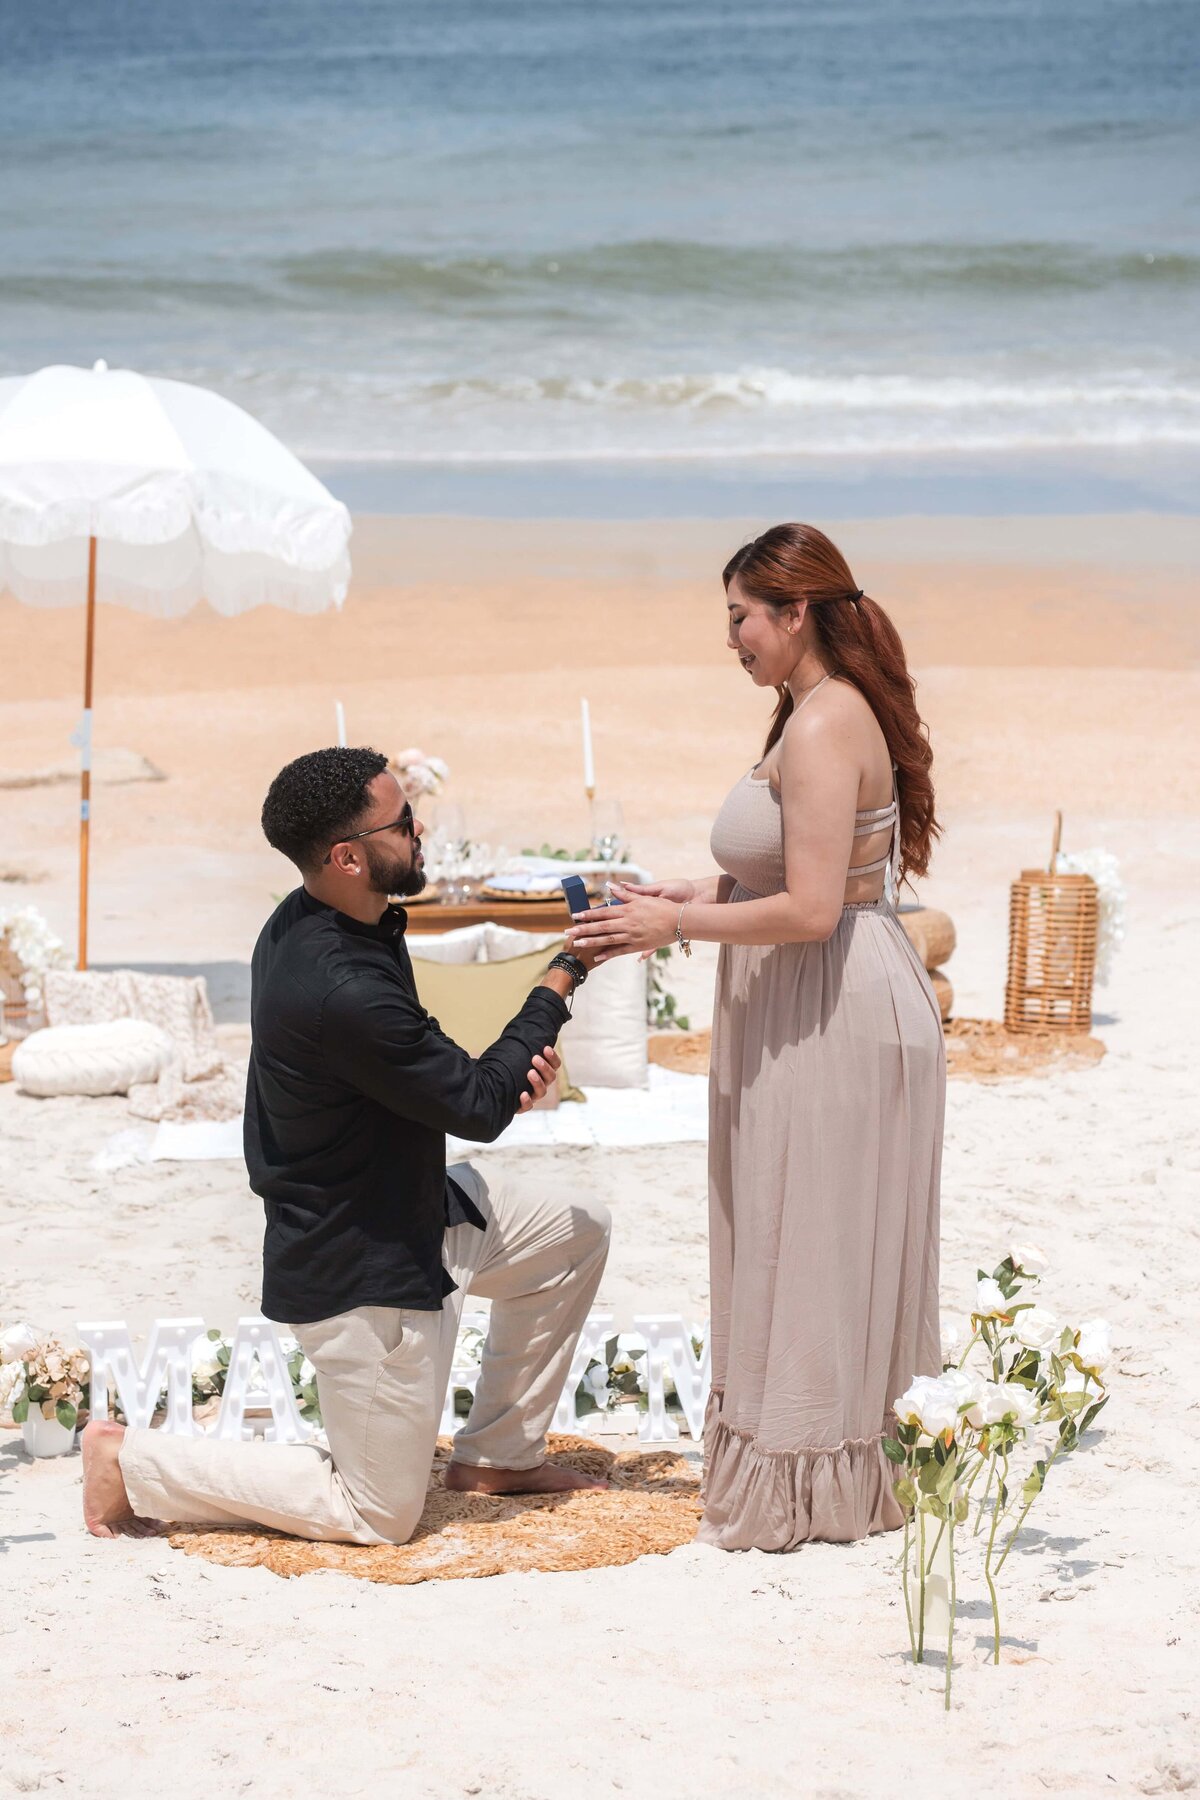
{"x":541,"y":1077}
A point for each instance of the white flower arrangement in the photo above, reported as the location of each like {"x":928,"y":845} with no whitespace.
{"x":1105,"y":871}
{"x":1016,"y":1373}
{"x":210,"y":1371}
{"x":419,"y":774}
{"x":44,"y":1373}
{"x":35,"y":947}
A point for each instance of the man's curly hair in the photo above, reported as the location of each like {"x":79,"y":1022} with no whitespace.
{"x":316,"y":800}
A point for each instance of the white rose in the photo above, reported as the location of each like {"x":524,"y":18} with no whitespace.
{"x":1037,"y":1329}
{"x":1094,"y":1348}
{"x":966,"y":1387}
{"x":411,"y":755}
{"x":1028,"y":1259}
{"x":989,"y":1300}
{"x":931,"y":1401}
{"x":954,"y":1340}
{"x":18,"y":1342}
{"x":908,"y":1407}
{"x":1004,"y":1400}
{"x":12,"y":1378}
{"x":307,"y":1373}
{"x":939,"y":1408}
{"x":595,"y":1383}
{"x":439,"y":768}
{"x":205,"y":1369}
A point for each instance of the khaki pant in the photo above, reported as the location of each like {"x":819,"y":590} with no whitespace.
{"x":382,"y":1374}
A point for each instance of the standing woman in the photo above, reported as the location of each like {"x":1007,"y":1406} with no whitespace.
{"x":828,"y":1066}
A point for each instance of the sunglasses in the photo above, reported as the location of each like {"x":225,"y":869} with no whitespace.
{"x":404,"y":824}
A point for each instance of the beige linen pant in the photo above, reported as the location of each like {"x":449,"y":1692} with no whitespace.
{"x":382,"y":1374}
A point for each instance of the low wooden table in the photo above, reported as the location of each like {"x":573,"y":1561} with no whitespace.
{"x":521,"y":915}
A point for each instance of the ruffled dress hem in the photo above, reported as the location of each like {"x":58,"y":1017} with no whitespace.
{"x":758,"y":1499}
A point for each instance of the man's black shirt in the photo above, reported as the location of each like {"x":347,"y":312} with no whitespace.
{"x":352,"y":1088}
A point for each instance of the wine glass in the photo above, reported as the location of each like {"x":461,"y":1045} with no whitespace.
{"x":608,"y":831}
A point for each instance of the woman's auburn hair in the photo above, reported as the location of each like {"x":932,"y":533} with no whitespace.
{"x":855,"y":639}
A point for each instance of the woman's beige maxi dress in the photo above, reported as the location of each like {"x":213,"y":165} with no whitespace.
{"x":826,"y":1106}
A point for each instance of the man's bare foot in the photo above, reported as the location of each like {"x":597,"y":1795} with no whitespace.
{"x":106,"y":1509}
{"x":547,"y":1478}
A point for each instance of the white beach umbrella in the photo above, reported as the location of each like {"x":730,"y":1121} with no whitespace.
{"x":154,"y":494}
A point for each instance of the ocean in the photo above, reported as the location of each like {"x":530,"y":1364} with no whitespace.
{"x":536,"y":257}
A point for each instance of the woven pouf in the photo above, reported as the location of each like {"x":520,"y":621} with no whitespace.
{"x":651,"y":1506}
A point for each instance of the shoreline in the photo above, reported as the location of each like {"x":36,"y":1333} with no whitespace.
{"x":859,"y":484}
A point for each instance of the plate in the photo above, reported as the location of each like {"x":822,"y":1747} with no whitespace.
{"x":523,"y":897}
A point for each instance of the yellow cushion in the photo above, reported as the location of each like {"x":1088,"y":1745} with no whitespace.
{"x":473,"y":1002}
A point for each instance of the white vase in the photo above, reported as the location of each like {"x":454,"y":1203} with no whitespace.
{"x":46,"y":1437}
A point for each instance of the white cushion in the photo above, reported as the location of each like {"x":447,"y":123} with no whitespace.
{"x":605,"y":1042}
{"x":465,"y":945}
{"x":502,"y":943}
{"x":91,"y":1059}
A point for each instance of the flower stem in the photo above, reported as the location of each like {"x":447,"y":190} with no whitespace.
{"x":921,"y":1586}
{"x":953,"y":1604}
{"x":937,"y":1540}
{"x":912,"y":1639}
{"x":987,"y":1575}
{"x":1021,"y":1516}
{"x":987,"y":1487}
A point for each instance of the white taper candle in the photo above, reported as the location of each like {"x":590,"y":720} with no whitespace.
{"x":589,"y":767}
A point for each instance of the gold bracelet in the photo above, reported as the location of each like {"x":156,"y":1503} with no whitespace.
{"x":685,"y":944}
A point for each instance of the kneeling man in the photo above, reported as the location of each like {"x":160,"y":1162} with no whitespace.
{"x":371,"y":1244}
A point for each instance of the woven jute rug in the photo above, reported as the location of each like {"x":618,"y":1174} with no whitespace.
{"x":651,"y":1506}
{"x":985,"y":1050}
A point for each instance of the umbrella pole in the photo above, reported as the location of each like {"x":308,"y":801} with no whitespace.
{"x":85,"y":778}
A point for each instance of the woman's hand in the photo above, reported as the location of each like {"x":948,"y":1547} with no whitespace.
{"x":643,"y":923}
{"x":678,"y":891}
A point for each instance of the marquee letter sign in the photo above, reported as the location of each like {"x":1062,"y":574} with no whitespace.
{"x":257,"y":1378}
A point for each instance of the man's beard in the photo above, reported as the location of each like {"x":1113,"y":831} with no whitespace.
{"x":389,"y":875}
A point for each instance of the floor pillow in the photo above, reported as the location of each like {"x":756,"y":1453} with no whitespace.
{"x":91,"y":1059}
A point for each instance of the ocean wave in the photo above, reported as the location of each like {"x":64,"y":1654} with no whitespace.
{"x":680,"y":269}
{"x":782,"y":389}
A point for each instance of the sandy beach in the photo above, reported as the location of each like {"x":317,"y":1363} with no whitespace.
{"x":1057,"y":663}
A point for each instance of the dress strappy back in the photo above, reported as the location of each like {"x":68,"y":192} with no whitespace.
{"x":767,"y":852}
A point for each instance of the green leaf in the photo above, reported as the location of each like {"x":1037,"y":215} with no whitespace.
{"x":940,"y":1451}
{"x":946,"y":1481}
{"x":65,"y":1413}
{"x":223,"y":1356}
{"x":38,"y":1393}
{"x":962,"y":1507}
{"x":893,"y":1451}
{"x":20,"y":1410}
{"x":1031,"y":1486}
{"x":213,"y":1336}
{"x":905,"y":1491}
{"x":1003,"y":1494}
{"x":928,"y":1477}
{"x":1091,"y":1412}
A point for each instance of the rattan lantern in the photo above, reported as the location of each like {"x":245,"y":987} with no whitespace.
{"x":1052,"y":927}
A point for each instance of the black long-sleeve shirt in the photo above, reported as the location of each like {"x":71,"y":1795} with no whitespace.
{"x":351,"y":1090}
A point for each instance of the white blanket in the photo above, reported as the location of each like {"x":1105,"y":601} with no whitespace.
{"x":672,"y":1110}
